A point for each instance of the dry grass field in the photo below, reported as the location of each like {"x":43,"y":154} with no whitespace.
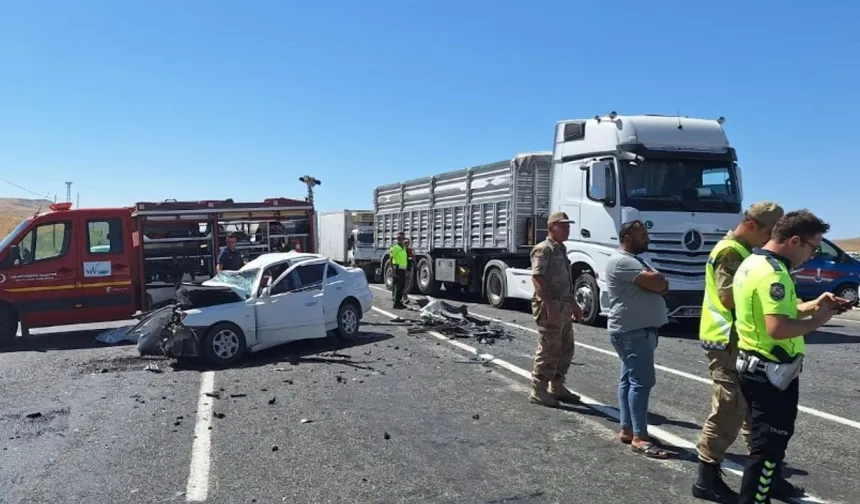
{"x":13,"y":209}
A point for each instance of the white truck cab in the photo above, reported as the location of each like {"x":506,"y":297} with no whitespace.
{"x":677,"y":175}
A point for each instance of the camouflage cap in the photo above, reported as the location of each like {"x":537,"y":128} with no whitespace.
{"x":558,"y":218}
{"x":765,"y":212}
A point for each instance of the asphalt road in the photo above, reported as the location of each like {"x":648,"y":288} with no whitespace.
{"x":395,"y":417}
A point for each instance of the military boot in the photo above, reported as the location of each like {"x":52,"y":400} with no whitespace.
{"x":561,"y":393}
{"x":540,"y":394}
{"x":710,"y":486}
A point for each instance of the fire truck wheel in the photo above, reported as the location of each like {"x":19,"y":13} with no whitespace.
{"x":8,"y":324}
{"x":224,"y":344}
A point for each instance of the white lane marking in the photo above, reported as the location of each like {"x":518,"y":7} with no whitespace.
{"x":596,"y":405}
{"x":197,"y":489}
{"x":810,"y":411}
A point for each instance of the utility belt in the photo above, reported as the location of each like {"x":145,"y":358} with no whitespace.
{"x":779,"y":374}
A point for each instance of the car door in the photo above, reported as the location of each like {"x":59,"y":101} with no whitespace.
{"x":106,"y":287}
{"x":292,"y":308}
{"x":816,"y":275}
{"x":335,"y":292}
{"x":43,"y":281}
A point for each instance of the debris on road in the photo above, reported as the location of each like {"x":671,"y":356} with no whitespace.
{"x":215,"y":395}
{"x":218,"y":415}
{"x":476,"y":417}
{"x":455,"y":322}
{"x":272,"y":400}
{"x":153,"y":368}
{"x":275,"y":448}
{"x":305,"y":420}
{"x":238,"y":395}
{"x":33,"y":416}
{"x":386,"y":436}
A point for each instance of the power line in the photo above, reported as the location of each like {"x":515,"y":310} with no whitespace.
{"x":13,"y":184}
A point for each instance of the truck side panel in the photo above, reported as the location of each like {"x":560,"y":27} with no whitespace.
{"x":107,"y":261}
{"x":333,"y":235}
{"x":484,"y":208}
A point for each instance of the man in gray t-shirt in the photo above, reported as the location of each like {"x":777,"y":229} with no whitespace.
{"x":631,"y":305}
{"x":636,"y":310}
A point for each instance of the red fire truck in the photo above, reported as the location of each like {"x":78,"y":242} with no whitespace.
{"x":72,"y":266}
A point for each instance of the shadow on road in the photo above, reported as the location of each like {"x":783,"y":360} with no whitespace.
{"x":830,"y":338}
{"x":300,"y":352}
{"x":60,"y":340}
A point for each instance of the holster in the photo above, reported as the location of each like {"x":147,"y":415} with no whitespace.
{"x":779,"y":374}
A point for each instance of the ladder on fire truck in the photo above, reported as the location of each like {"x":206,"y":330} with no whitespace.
{"x":180,"y":240}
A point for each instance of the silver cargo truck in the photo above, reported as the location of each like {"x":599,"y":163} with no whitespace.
{"x":471,"y":229}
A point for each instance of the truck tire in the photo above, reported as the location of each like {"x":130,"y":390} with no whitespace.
{"x":425,"y":278}
{"x":495,"y":288}
{"x":8,"y":325}
{"x":388,"y":275}
{"x":587,"y":295}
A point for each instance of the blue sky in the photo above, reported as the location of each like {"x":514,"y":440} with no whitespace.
{"x":146,"y":100}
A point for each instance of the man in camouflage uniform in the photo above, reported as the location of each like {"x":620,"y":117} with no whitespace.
{"x":729,"y":412}
{"x":554,"y":310}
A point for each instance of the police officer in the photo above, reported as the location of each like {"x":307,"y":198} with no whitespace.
{"x":399,"y":262}
{"x":554,"y":310}
{"x":229,"y":258}
{"x":770,"y":324}
{"x":729,"y":411}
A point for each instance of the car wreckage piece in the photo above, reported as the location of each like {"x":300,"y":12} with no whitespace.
{"x":161,"y":331}
{"x":455,"y":322}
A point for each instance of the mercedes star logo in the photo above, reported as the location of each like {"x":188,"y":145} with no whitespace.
{"x":693,"y":240}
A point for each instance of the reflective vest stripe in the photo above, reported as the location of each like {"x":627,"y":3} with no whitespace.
{"x":715,"y":326}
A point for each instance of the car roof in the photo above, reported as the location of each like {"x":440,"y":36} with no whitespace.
{"x":267,"y":260}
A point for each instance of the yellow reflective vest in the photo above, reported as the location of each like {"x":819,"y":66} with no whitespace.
{"x":399,"y":257}
{"x":715,"y":325}
{"x":763,"y":286}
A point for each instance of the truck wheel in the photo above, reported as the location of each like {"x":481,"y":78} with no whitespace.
{"x":587,"y":296}
{"x":495,"y":289}
{"x":847,"y":291}
{"x":224,"y":344}
{"x":427,"y":284}
{"x":8,"y":325}
{"x":388,"y":275}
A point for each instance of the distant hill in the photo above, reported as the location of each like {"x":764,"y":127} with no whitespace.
{"x":13,"y":209}
{"x":849,"y":244}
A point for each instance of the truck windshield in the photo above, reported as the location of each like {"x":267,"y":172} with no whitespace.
{"x":243,"y":279}
{"x":680,"y":184}
{"x":13,"y":235}
{"x":365,"y":239}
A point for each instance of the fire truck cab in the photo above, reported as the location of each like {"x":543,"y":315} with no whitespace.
{"x":73,"y":266}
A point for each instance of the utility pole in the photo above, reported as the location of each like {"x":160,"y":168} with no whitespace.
{"x":310,"y":182}
{"x":78,"y":203}
{"x":68,"y":192}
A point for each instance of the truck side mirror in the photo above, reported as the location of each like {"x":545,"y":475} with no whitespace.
{"x":597,"y":181}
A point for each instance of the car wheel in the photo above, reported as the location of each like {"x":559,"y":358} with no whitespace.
{"x":348,"y":321}
{"x":848,"y":291}
{"x":224,"y":344}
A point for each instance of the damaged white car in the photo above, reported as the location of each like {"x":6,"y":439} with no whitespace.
{"x":274,"y":299}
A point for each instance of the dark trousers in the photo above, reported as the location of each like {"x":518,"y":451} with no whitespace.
{"x":399,"y":285}
{"x":772,"y":416}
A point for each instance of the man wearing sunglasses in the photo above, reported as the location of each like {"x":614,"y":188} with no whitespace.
{"x":729,"y":412}
{"x":770,"y":325}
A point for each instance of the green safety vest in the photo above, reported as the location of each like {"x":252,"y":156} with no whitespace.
{"x":763,"y":286}
{"x":715,"y":324}
{"x":398,"y":256}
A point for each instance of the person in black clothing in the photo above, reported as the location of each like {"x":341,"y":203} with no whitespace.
{"x":229,"y":258}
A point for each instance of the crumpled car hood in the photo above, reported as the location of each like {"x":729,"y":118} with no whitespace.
{"x":190,"y":295}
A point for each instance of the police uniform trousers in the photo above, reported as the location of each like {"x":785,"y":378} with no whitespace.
{"x":729,"y":413}
{"x":772,"y":413}
{"x":555,"y":342}
{"x":399,"y":285}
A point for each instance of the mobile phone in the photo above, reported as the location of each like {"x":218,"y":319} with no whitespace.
{"x":843,"y":307}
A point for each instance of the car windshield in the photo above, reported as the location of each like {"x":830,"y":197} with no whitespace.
{"x":13,"y":235}
{"x":681,"y":184}
{"x":243,"y":279}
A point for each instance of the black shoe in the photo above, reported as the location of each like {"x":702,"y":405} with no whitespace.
{"x":399,"y":306}
{"x":710,"y":486}
{"x":784,"y":491}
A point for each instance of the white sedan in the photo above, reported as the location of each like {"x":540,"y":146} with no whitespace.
{"x":275,"y":299}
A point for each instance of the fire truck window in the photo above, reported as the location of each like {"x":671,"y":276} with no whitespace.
{"x":47,"y":241}
{"x":104,"y":236}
